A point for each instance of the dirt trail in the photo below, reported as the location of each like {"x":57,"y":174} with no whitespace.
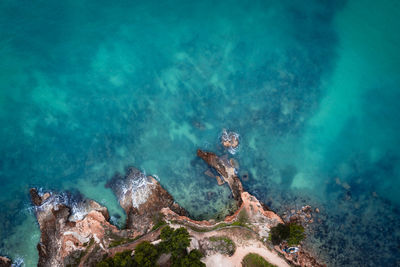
{"x":246,"y":242}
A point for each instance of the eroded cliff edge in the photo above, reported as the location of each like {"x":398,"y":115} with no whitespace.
{"x":77,"y":231}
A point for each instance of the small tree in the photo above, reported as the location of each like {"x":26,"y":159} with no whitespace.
{"x":293,"y":233}
{"x":279,"y":233}
{"x":174,"y":241}
{"x":121,"y":259}
{"x":296,"y":234}
{"x":192,"y":260}
{"x":166,"y":233}
{"x":146,"y":254}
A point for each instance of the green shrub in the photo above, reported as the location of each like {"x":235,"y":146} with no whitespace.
{"x":255,"y":260}
{"x":121,"y":259}
{"x":296,"y":234}
{"x":174,"y":241}
{"x":192,"y":260}
{"x":146,"y":254}
{"x":292,"y":233}
{"x":279,"y":233}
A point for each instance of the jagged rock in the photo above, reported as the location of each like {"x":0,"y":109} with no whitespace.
{"x":63,"y":240}
{"x":35,"y":197}
{"x":5,"y":262}
{"x":234,"y":163}
{"x":307,"y":209}
{"x":71,"y":237}
{"x":142,"y":197}
{"x":214,"y":161}
{"x":227,"y":172}
{"x":230,"y":140}
{"x":45,"y":196}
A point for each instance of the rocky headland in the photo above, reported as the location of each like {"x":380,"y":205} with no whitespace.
{"x":77,"y":231}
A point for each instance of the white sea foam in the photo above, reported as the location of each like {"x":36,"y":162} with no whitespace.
{"x":141,"y":188}
{"x":78,"y":208}
{"x":156,"y":177}
{"x":18,"y":262}
{"x":227,"y":136}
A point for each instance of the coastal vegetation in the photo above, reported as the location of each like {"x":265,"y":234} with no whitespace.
{"x":292,"y":233}
{"x":121,"y":259}
{"x":255,"y":260}
{"x":173,"y":241}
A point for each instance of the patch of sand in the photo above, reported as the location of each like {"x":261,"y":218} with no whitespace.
{"x":219,"y":260}
{"x":246,"y":242}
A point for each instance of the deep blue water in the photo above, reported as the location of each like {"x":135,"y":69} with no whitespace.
{"x":90,"y":87}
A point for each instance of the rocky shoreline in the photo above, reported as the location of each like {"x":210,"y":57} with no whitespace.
{"x":84,"y":236}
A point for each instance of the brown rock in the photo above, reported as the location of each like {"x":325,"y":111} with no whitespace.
{"x":317,"y":210}
{"x":230,"y":139}
{"x":219,"y":180}
{"x":234,"y":163}
{"x":214,"y":161}
{"x":307,"y":209}
{"x":227,"y":172}
{"x":294,"y":218}
{"x":141,"y":207}
{"x":35,"y":197}
{"x":5,"y":262}
{"x":45,"y":196}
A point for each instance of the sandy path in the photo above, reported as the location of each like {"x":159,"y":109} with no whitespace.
{"x":237,"y":234}
{"x":243,"y":247}
{"x":218,"y":260}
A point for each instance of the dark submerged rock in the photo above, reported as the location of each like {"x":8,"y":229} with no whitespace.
{"x":5,"y":262}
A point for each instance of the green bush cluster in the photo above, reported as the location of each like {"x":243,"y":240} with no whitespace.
{"x":176,"y":242}
{"x":121,"y":259}
{"x":255,"y":260}
{"x":147,"y":254}
{"x":292,"y":233}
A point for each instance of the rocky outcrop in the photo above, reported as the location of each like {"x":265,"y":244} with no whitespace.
{"x":256,"y":214}
{"x":71,"y":229}
{"x":227,"y":172}
{"x":142,"y":197}
{"x":259,"y":217}
{"x":5,"y":262}
{"x":301,"y":258}
{"x":76,"y":231}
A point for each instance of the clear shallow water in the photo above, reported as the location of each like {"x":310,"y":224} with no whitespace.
{"x":88,"y":88}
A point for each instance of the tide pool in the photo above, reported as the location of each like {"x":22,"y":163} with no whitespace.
{"x":88,"y":88}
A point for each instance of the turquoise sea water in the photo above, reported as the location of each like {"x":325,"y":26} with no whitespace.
{"x":312,"y":87}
